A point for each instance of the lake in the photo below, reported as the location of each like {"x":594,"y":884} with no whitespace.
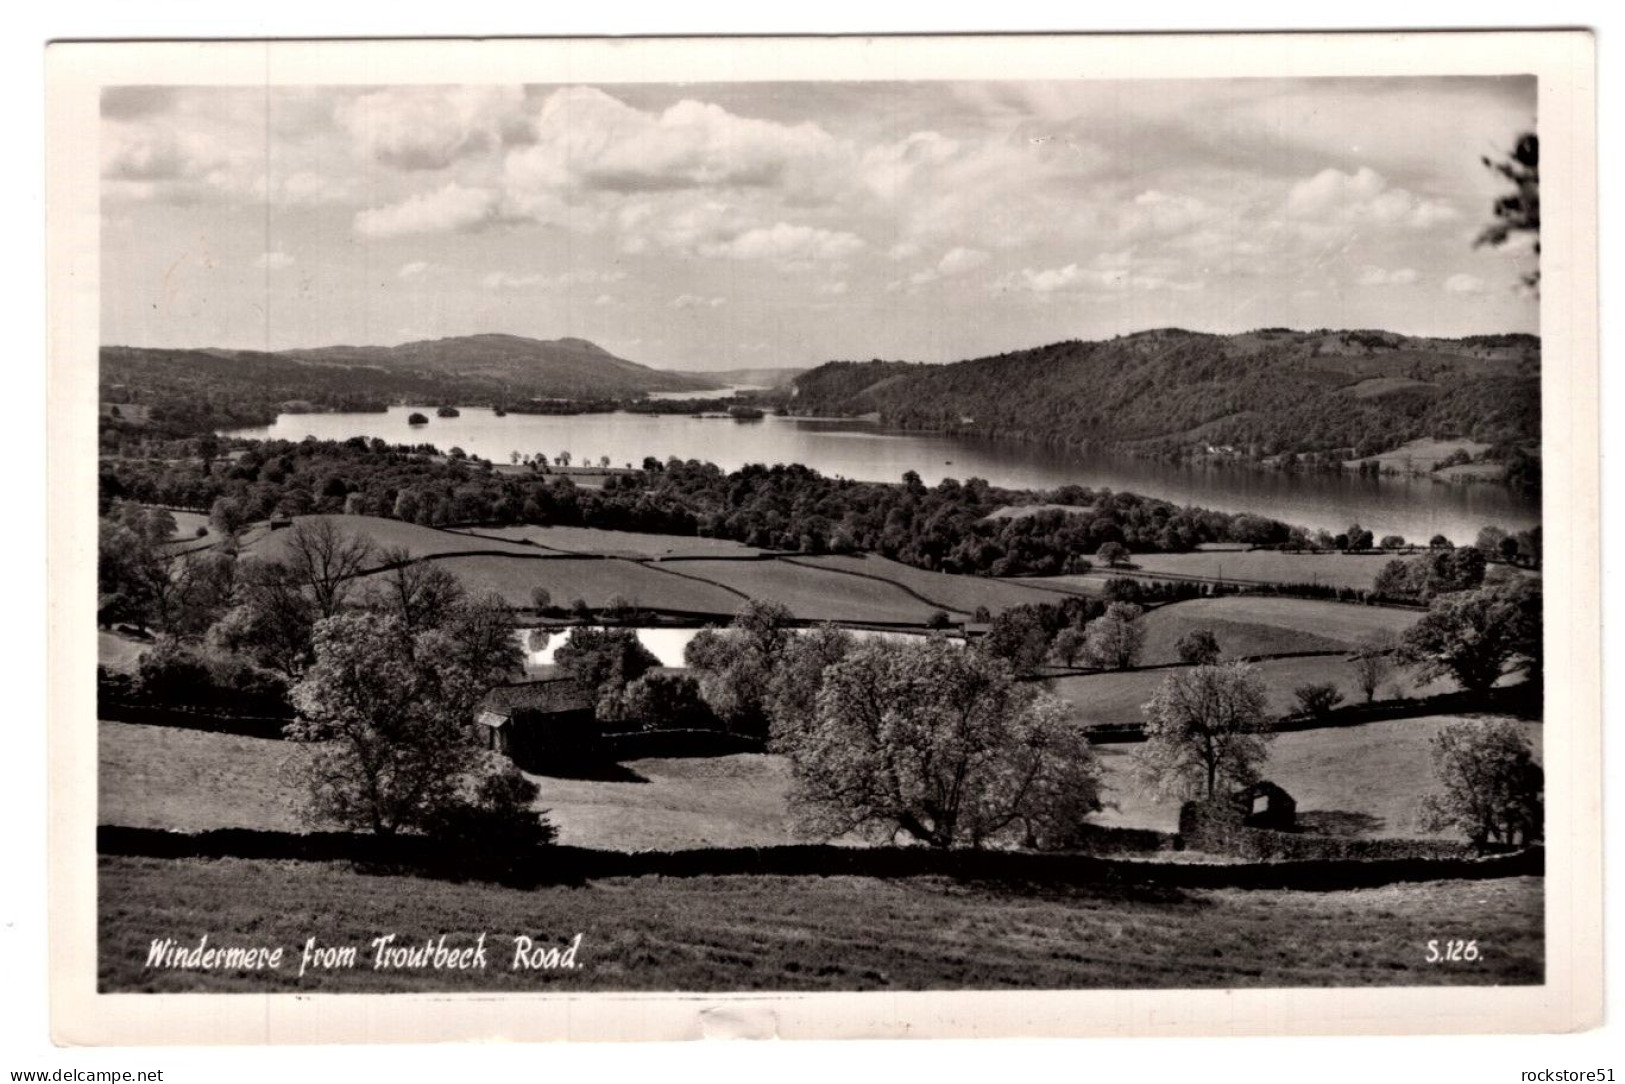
{"x":1416,"y":508}
{"x":665,"y":644}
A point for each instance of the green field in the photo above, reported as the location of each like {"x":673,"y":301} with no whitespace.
{"x":617,"y":543}
{"x":1269,"y":566}
{"x":957,"y":594}
{"x":1253,"y":625}
{"x":193,"y":780}
{"x":387,"y":534}
{"x":1420,"y":456}
{"x":1116,"y":696}
{"x":814,"y":594}
{"x":1365,"y":780}
{"x":1370,"y":776}
{"x":674,"y":804}
{"x":787,"y":933}
{"x":594,"y":582}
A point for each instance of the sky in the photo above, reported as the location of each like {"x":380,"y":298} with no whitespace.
{"x":713,"y":226}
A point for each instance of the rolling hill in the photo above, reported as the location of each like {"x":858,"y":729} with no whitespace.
{"x":556,"y":367}
{"x":1175,"y":392}
{"x":194,"y":390}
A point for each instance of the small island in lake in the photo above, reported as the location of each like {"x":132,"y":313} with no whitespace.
{"x":449,"y":412}
{"x":416,"y":419}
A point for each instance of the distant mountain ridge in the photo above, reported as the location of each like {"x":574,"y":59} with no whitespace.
{"x":1264,"y":393}
{"x":566,"y":367}
{"x":199,"y":389}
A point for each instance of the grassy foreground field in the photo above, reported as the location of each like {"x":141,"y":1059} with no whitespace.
{"x":1362,"y":780}
{"x":1366,"y":780}
{"x":783,"y":933}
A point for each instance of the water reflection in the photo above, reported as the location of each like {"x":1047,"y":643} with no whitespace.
{"x":850,"y":448}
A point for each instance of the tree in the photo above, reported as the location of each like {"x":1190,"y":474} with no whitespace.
{"x":1374,"y":663}
{"x":941,"y":745}
{"x":563,"y":459}
{"x":203,"y":587}
{"x":1205,"y":726}
{"x":483,"y":639}
{"x":1318,"y":698}
{"x":736,"y":665}
{"x":1358,"y":537}
{"x":421,"y":593}
{"x":1394,"y":581}
{"x":603,"y":660}
{"x":798,"y":676}
{"x":1114,"y":639}
{"x":388,"y":714}
{"x":1491,"y":787}
{"x":227,"y":516}
{"x":271,"y":620}
{"x":1017,"y":636}
{"x":1473,"y":636}
{"x":1517,"y":212}
{"x":541,"y":599}
{"x":327,"y":559}
{"x":130,"y":577}
{"x":1198,"y":647}
{"x":1069,"y":644}
{"x":1489,"y":542}
{"x":1114,"y":554}
{"x":660,"y":701}
{"x":1392,"y":542}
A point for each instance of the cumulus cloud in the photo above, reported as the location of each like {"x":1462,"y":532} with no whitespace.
{"x":275,"y":261}
{"x":956,"y":261}
{"x":586,"y":276}
{"x":502,"y":280}
{"x":1155,"y":213}
{"x":592,"y":140}
{"x":1463,"y":283}
{"x":1332,"y":196}
{"x":1045,"y":281}
{"x":1376,"y":276}
{"x":581,"y":276}
{"x":1111,"y":272}
{"x":428,"y":128}
{"x":414,"y":270}
{"x":452,"y":207}
{"x":694,"y":301}
{"x":786,"y":244}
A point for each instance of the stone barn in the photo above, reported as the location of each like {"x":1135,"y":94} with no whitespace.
{"x":536,"y":722}
{"x":1266,"y":805}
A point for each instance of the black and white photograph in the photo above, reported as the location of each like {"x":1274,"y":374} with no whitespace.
{"x":690,"y":530}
